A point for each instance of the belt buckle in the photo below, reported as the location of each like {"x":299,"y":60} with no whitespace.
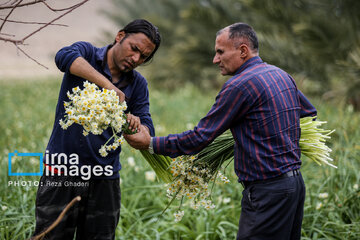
{"x":293,"y":173}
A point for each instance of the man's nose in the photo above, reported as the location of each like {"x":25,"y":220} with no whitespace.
{"x":216,"y":59}
{"x":136,"y":57}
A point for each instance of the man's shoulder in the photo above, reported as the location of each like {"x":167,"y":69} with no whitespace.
{"x":138,"y":78}
{"x":84,"y":44}
{"x":250,"y":80}
{"x":259,"y":72}
{"x":240,"y":79}
{"x":89,"y":47}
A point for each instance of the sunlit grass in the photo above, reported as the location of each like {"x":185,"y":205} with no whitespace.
{"x":27,"y":115}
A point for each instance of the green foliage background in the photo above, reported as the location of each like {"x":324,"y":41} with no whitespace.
{"x":317,"y":41}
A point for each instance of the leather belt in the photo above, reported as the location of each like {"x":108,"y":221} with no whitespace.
{"x":291,"y":173}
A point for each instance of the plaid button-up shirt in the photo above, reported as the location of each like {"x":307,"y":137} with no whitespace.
{"x":262,"y":106}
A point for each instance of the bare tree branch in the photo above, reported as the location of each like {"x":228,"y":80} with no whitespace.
{"x":16,"y":42}
{"x":2,"y":25}
{"x":58,"y":220}
{"x":5,"y":3}
{"x":30,"y":56}
{"x":71,"y":9}
{"x":7,"y":34}
{"x":40,"y":23}
{"x":21,"y":41}
{"x":11,"y":5}
{"x":60,"y":9}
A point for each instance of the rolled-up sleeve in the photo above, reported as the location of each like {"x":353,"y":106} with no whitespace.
{"x":67,"y":55}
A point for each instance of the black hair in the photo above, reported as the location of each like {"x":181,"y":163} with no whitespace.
{"x":147,"y":28}
{"x":238,"y":30}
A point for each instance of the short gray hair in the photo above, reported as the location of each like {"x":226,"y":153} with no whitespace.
{"x":242,"y":30}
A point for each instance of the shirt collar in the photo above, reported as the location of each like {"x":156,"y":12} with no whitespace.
{"x":252,"y":61}
{"x":101,"y":53}
{"x":100,"y":57}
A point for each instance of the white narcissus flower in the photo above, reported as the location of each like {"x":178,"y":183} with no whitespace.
{"x":95,"y":110}
{"x":131,"y":161}
{"x":226,"y":200}
{"x":191,"y":181}
{"x":323,"y":195}
{"x":179,"y":215}
{"x":319,"y":205}
{"x":150,"y":175}
{"x":103,"y":152}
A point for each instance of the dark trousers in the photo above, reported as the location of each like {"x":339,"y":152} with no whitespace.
{"x":272,"y":209}
{"x":94,"y":217}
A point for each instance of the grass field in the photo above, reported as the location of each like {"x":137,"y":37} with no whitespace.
{"x":332,"y":207}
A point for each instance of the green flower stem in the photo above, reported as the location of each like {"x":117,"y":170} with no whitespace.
{"x":160,"y":164}
{"x":172,"y":200}
{"x":110,"y":139}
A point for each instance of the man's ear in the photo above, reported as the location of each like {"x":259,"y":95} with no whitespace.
{"x":244,"y":50}
{"x":119,"y":36}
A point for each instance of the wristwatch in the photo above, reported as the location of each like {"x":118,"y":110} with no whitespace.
{"x":151,"y":148}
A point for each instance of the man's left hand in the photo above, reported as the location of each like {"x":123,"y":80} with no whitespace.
{"x":134,"y":122}
{"x":140,"y":140}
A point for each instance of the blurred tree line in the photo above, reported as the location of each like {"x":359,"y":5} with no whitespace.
{"x":317,"y":41}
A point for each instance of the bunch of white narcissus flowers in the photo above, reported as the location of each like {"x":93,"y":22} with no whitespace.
{"x":96,"y":110}
{"x":191,"y":181}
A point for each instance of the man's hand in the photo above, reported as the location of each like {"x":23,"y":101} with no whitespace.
{"x":134,"y":121}
{"x":120,"y":94}
{"x":140,"y":140}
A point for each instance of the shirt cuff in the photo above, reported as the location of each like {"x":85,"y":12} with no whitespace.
{"x":159,"y":145}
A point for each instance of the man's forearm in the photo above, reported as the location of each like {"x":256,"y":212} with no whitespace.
{"x":81,"y":68}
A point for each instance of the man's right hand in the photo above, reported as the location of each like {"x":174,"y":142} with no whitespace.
{"x":140,"y":140}
{"x":120,"y":94}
